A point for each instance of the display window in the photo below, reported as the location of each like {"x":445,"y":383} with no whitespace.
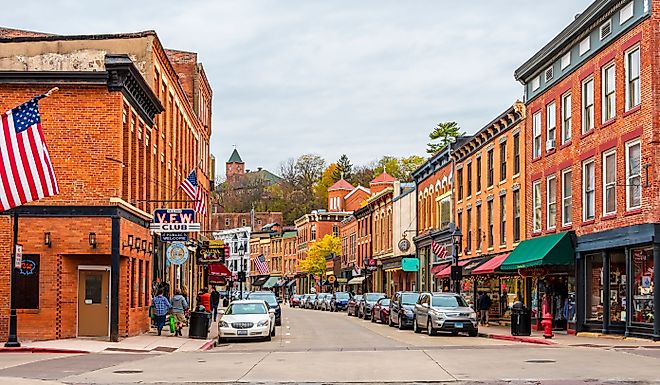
{"x":490,"y":286}
{"x":642,"y":285}
{"x":512,"y":288}
{"x":617,"y":286}
{"x":594,"y":287}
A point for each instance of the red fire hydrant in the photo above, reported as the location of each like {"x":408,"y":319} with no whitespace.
{"x":546,"y":324}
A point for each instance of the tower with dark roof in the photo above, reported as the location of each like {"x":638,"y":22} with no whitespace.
{"x":235,"y":168}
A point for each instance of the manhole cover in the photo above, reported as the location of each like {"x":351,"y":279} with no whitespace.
{"x":127,"y":371}
{"x":541,"y":361}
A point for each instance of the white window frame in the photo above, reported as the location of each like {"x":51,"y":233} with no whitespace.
{"x":627,"y":55}
{"x":585,"y":45}
{"x":536,"y":83}
{"x":606,"y":184}
{"x":551,"y":126}
{"x":536,"y":132}
{"x":590,"y":162}
{"x":627,"y":12}
{"x":537,"y":208}
{"x":588,"y":124}
{"x":607,"y":92}
{"x":630,"y":177}
{"x":566,"y":116}
{"x":565,"y":197}
{"x":552,"y":179}
{"x":565,"y":60}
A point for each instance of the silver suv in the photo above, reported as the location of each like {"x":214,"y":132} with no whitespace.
{"x":445,"y":312}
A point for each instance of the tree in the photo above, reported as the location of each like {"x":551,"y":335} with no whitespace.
{"x":362,"y":175}
{"x":319,"y":252}
{"x":399,"y":168}
{"x":344,"y":168}
{"x":327,"y":180}
{"x":443,"y":132}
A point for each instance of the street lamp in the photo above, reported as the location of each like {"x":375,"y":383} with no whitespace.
{"x":456,"y":237}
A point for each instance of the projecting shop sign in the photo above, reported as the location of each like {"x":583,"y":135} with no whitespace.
{"x":174,"y":221}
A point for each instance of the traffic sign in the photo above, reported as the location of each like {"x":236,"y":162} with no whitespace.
{"x":332,"y":279}
{"x":18,"y":257}
{"x":174,"y":237}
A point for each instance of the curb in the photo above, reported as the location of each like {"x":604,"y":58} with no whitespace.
{"x":527,"y":340}
{"x":42,"y":350}
{"x":208,"y":345}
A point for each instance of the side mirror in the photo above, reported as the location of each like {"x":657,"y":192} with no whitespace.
{"x":271,"y":311}
{"x":280,"y":300}
{"x":221,"y":311}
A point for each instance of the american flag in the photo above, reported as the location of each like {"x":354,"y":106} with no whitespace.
{"x":26,"y":172}
{"x":439,"y":249}
{"x":194,"y":192}
{"x":260,"y":264}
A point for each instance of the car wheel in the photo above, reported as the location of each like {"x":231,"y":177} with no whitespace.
{"x":454,"y":333}
{"x":473,"y":333}
{"x":389,"y":321}
{"x":221,"y":340}
{"x":400,"y":323}
{"x":429,"y":328}
{"x":416,"y":328}
{"x":365,"y":316}
{"x":272,"y":333}
{"x":278,"y":322}
{"x":269,"y":338}
{"x":373,"y":317}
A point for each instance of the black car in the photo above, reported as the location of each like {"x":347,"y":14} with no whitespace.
{"x":339,"y":301}
{"x":368,"y":302}
{"x":353,"y":304}
{"x":402,"y":309}
{"x":272,"y":301}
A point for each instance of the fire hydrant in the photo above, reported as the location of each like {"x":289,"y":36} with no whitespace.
{"x":546,"y":324}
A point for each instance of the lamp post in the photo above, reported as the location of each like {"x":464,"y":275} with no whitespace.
{"x":457,"y":275}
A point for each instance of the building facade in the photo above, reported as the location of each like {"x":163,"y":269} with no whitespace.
{"x":593,"y":163}
{"x":255,"y":221}
{"x":399,"y":275}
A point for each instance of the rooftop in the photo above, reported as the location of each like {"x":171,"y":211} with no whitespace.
{"x":341,"y":184}
{"x":235,"y":158}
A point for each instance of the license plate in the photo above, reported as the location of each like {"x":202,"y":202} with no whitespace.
{"x":241,"y":332}
{"x":458,"y":325}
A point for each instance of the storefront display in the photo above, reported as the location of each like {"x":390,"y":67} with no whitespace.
{"x":618,"y":291}
{"x":642,"y":285}
{"x":594,"y":287}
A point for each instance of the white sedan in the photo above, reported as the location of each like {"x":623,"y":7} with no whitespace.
{"x":246,"y":319}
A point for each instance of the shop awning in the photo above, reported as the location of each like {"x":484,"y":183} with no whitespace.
{"x":446,"y":272}
{"x":356,"y":281}
{"x":281,"y":282}
{"x":260,"y":280}
{"x":291,"y":283}
{"x":218,"y":271}
{"x":549,"y":250}
{"x":438,"y":268}
{"x":271,"y":282}
{"x":491,"y":265}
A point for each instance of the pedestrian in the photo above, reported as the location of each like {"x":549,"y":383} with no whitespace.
{"x":483,"y":305}
{"x":215,"y":302}
{"x":179,"y":308}
{"x":161,"y":308}
{"x":205,"y":299}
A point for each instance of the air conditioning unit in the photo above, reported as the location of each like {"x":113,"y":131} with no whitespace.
{"x":549,"y":144}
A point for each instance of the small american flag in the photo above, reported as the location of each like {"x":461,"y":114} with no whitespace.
{"x":26,"y":172}
{"x":439,"y":249}
{"x":194,"y":192}
{"x":260,"y":264}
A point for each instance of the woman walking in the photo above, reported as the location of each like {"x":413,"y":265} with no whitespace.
{"x":179,"y":308}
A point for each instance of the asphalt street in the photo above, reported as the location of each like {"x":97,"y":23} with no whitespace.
{"x":321,"y":347}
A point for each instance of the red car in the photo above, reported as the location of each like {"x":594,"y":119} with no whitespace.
{"x":295,"y":300}
{"x":381,"y":311}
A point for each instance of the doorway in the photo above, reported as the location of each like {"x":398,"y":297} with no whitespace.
{"x":94,"y":302}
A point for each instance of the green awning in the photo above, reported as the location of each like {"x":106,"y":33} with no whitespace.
{"x":550,"y":250}
{"x":272,"y":281}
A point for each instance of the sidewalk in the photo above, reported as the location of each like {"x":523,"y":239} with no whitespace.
{"x":145,"y":343}
{"x":582,"y":339}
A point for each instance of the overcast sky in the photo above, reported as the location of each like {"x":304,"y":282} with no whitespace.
{"x":362,"y":77}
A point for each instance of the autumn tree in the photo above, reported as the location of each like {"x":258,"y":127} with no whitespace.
{"x":362,"y":175}
{"x":399,"y":168}
{"x":319,"y":252}
{"x":444,"y":133}
{"x":328,"y":178}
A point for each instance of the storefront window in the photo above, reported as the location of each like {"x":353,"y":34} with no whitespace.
{"x":512,"y":289}
{"x":594,"y":287}
{"x":534,"y":301}
{"x":569,"y":310}
{"x":617,"y":286}
{"x":642,"y":285}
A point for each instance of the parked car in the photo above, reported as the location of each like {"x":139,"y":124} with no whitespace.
{"x":381,"y":310}
{"x":402,"y":309}
{"x":319,"y":300}
{"x":368,"y":302}
{"x":339,"y":301}
{"x":325,"y":305}
{"x":271,"y":300}
{"x":445,"y":312}
{"x":353,"y":305}
{"x":295,"y":300}
{"x":246,"y":319}
{"x":309,"y":303}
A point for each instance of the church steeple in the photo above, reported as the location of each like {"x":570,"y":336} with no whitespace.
{"x":234,"y":166}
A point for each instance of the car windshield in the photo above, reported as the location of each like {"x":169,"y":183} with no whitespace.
{"x":448,"y":301}
{"x":268,"y":297}
{"x":409,"y":298}
{"x":246,"y":308}
{"x":357,"y":298}
{"x":373,"y":297}
{"x":385,"y":302}
{"x":342,"y":296}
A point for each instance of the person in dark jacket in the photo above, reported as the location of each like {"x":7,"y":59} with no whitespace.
{"x":483,"y":305}
{"x":215,"y":302}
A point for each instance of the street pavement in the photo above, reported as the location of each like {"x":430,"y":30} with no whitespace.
{"x":320,"y":348}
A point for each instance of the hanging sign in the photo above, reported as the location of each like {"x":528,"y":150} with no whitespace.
{"x":177,"y":253}
{"x":409,"y":264}
{"x":18,"y":257}
{"x":174,"y":237}
{"x":174,"y":221}
{"x":404,"y":245}
{"x":28,"y":267}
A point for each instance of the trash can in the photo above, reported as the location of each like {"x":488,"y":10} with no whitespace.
{"x":199,"y":324}
{"x":521,"y":320}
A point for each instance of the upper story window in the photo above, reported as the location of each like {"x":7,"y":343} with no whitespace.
{"x":491,"y":165}
{"x":459,"y":182}
{"x":588,"y":105}
{"x":516,"y":215}
{"x":633,"y":175}
{"x":633,"y":84}
{"x":468,"y":245}
{"x":609,"y":92}
{"x":516,"y":154}
{"x":565,"y":60}
{"x":536,"y":129}
{"x":489,"y":207}
{"x":478,"y":165}
{"x":502,"y":161}
{"x":478,"y":227}
{"x":551,"y":120}
{"x":536,"y":200}
{"x":445,"y":212}
{"x":585,"y":45}
{"x":469,"y":179}
{"x":566,"y":197}
{"x":313,"y":230}
{"x":589,"y":190}
{"x":551,"y":201}
{"x":609,"y":182}
{"x":627,"y":12}
{"x":567,"y":117}
{"x":502,"y":219}
{"x":536,"y":83}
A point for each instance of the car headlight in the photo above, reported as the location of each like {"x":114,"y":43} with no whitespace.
{"x":263,"y":322}
{"x":408,"y":312}
{"x":223,"y":324}
{"x":439,"y":314}
{"x":473,"y":316}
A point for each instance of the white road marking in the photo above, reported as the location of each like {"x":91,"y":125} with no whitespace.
{"x":288,"y":334}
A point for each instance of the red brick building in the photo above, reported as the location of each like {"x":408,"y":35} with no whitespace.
{"x":593,"y":160}
{"x":122,"y":131}
{"x":223,"y":221}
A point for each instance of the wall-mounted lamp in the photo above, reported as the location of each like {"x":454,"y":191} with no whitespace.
{"x":144,"y":245}
{"x":150,"y":250}
{"x":92,"y":240}
{"x":138,"y":243}
{"x":130,"y":242}
{"x":47,"y":241}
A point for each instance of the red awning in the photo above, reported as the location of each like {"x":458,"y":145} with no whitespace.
{"x":491,"y":265}
{"x":218,"y":270}
{"x":446,"y":272}
{"x":438,"y":268}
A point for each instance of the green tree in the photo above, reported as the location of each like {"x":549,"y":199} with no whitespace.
{"x":344,"y":168}
{"x":362,"y":175}
{"x":443,"y":132}
{"x":399,"y":168}
{"x":319,"y":252}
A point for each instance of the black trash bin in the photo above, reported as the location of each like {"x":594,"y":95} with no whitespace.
{"x":199,"y":325}
{"x":521,"y":320}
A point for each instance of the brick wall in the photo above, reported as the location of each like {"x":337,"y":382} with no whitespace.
{"x":222,"y":221}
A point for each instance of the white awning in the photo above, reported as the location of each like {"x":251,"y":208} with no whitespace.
{"x":356,"y":281}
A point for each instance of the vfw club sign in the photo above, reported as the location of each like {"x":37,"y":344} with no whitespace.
{"x":167,"y":221}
